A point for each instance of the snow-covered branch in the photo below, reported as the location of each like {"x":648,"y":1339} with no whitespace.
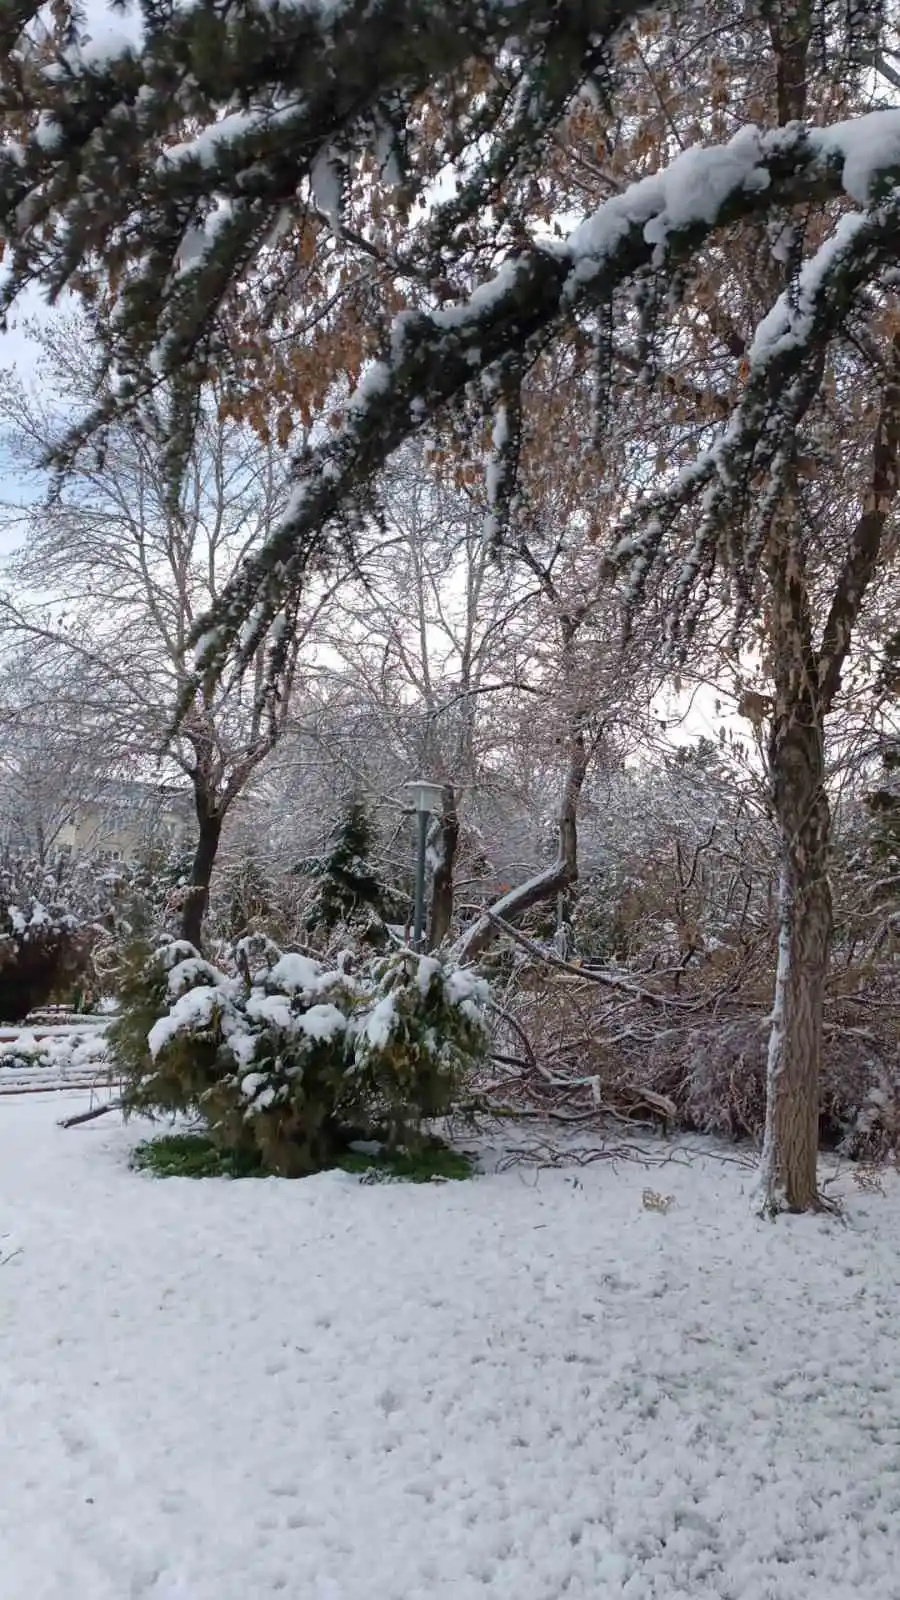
{"x":654,"y":225}
{"x":210,"y":121}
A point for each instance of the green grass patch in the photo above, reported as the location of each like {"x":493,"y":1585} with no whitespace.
{"x":193,"y":1155}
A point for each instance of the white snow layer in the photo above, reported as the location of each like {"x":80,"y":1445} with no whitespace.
{"x":518,"y":1388}
{"x":696,"y":185}
{"x":297,"y":973}
{"x":48,"y":1056}
{"x":869,"y":147}
{"x":194,"y":1009}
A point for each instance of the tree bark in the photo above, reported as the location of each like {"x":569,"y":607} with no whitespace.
{"x":197,"y":898}
{"x":806,"y":682}
{"x":790,"y":1150}
{"x":441,"y":911}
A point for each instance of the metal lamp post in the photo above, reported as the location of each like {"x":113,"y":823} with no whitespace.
{"x":427,"y":799}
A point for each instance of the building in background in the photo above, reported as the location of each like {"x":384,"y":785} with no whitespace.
{"x":125,"y":818}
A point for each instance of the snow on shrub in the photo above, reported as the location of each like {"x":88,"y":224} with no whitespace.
{"x":42,"y":945}
{"x":293,"y":1057}
{"x":80,"y":1055}
{"x":152,"y":984}
{"x":61,"y":922}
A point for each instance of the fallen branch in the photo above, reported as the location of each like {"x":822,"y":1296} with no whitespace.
{"x":89,"y":1116}
{"x":545,"y":1153}
{"x":607,"y":980}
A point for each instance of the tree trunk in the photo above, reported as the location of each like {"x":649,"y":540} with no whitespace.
{"x":790,"y":1150}
{"x":441,"y":911}
{"x":197,"y":898}
{"x":806,"y":682}
{"x":564,"y":870}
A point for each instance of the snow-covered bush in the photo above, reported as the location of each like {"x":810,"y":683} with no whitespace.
{"x":294,"y":1057}
{"x":148,"y":988}
{"x":43,"y":944}
{"x":58,"y":1056}
{"x":419,"y":1031}
{"x":66,"y":923}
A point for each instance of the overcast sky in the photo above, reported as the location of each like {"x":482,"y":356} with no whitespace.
{"x":16,"y":350}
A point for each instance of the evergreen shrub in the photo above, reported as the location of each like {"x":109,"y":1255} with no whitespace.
{"x":292,"y":1059}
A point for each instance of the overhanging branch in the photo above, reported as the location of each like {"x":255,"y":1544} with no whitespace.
{"x":656,"y":224}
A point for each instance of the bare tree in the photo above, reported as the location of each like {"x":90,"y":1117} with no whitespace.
{"x":455,"y":658}
{"x":122,"y":571}
{"x":53,"y":754}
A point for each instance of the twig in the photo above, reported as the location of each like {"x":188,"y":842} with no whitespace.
{"x":509,"y":1061}
{"x":517,"y":1029}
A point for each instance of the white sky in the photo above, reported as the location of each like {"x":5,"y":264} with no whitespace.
{"x":16,"y":350}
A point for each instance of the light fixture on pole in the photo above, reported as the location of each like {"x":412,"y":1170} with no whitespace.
{"x":427,"y":799}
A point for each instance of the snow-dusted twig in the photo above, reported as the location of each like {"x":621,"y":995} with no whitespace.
{"x":545,"y":1153}
{"x":520,"y":1033}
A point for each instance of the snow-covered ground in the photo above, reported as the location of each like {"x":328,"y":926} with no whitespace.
{"x":528,"y":1386}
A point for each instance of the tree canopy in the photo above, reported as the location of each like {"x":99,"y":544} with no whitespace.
{"x":167,"y":164}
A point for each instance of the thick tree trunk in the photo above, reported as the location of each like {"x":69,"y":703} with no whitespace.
{"x":806,"y":682}
{"x":441,"y":911}
{"x":197,"y":898}
{"x":790,"y":1151}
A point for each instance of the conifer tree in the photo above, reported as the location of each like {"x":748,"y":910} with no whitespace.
{"x":348,"y":891}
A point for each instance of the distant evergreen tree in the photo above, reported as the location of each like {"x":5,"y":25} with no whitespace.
{"x":348,"y":890}
{"x":151,"y":889}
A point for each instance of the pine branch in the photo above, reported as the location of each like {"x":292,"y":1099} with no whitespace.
{"x":298,"y":80}
{"x":272,"y":93}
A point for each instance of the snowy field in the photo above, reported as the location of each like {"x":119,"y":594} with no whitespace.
{"x":528,"y":1386}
